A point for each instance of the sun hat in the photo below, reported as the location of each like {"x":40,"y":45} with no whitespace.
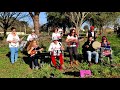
{"x":55,"y":38}
{"x":33,"y":30}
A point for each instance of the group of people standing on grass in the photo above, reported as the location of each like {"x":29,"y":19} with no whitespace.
{"x":56,"y":48}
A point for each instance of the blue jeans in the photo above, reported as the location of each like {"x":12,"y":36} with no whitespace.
{"x":14,"y":54}
{"x":90,"y":54}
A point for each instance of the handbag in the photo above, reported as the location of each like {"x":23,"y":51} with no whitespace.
{"x":84,"y":73}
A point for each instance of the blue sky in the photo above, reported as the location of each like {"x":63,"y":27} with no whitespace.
{"x":42,"y":19}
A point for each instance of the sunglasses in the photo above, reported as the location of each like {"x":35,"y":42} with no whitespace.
{"x":13,"y":31}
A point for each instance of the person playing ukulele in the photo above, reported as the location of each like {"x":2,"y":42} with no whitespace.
{"x":33,"y":50}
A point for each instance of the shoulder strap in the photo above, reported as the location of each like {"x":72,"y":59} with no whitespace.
{"x":60,"y":44}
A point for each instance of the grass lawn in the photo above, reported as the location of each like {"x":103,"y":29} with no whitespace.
{"x":22,"y":70}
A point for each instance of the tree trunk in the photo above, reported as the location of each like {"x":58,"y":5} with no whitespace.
{"x":5,"y":35}
{"x":78,"y":30}
{"x":64,"y":29}
{"x":36,"y":24}
{"x":101,"y":30}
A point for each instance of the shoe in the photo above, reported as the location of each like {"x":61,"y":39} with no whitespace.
{"x":90,"y":64}
{"x":112,"y":65}
{"x":76,"y":62}
{"x":102,"y":61}
{"x":36,"y":67}
{"x":56,"y":67}
{"x":96,"y":62}
{"x":62,"y":66}
{"x":71,"y":63}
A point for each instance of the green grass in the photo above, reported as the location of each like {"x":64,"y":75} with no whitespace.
{"x":22,"y":70}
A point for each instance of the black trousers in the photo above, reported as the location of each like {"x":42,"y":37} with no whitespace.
{"x":73,"y":53}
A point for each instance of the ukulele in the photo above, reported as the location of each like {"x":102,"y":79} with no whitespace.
{"x":33,"y":52}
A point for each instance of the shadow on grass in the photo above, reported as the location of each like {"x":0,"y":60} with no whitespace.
{"x":8,"y":55}
{"x":43,"y":57}
{"x":75,"y":74}
{"x":80,"y":56}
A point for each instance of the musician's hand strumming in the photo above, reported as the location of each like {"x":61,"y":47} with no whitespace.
{"x":41,"y":49}
{"x":87,"y":46}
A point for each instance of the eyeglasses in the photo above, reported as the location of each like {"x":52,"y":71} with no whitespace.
{"x":73,"y":32}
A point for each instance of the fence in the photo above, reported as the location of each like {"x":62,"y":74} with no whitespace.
{"x":18,"y":33}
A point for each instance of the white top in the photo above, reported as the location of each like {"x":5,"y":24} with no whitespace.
{"x":60,"y":31}
{"x":55,"y":48}
{"x":10,"y":37}
{"x":31,"y":37}
{"x":92,"y":34}
{"x":56,"y":35}
{"x":72,"y":38}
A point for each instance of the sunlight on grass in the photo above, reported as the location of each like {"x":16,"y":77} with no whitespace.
{"x":22,"y":70}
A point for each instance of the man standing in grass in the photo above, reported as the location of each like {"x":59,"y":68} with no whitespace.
{"x":13,"y":40}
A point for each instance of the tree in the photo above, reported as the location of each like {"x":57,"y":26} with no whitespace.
{"x":67,"y":19}
{"x":35,"y":18}
{"x":86,"y":28}
{"x":103,"y":18}
{"x":58,"y":19}
{"x":8,"y":18}
{"x":78,"y":18}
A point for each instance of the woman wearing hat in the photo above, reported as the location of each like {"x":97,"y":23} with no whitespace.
{"x":55,"y":50}
{"x":90,"y":51}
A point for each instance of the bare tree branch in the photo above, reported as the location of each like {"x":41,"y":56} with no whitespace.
{"x":13,"y":20}
{"x":31,"y":14}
